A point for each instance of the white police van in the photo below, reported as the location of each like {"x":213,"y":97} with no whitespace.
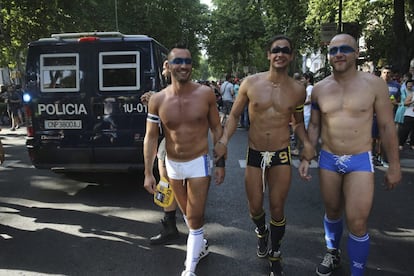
{"x":82,"y":99}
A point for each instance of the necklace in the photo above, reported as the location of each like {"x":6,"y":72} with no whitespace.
{"x":275,"y":84}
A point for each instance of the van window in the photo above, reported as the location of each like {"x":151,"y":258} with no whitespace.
{"x":119,"y":71}
{"x":59,"y":72}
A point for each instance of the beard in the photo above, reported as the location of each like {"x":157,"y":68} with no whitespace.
{"x":182,"y":76}
{"x":343,"y":66}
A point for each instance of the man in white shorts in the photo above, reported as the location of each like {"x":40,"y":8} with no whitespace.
{"x":187,"y":111}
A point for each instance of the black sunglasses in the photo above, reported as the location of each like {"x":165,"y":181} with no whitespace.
{"x":344,"y":49}
{"x":181,"y":61}
{"x":283,"y":50}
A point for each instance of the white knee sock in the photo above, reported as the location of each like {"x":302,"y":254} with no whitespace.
{"x":195,"y":243}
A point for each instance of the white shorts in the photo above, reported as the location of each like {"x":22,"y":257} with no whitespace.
{"x":199,"y":167}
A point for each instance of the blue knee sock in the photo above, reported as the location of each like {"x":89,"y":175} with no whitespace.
{"x":333,"y":232}
{"x":358,"y":249}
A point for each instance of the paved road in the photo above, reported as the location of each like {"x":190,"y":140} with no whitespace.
{"x":53,"y":224}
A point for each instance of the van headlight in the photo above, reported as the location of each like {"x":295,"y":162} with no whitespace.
{"x":26,"y":97}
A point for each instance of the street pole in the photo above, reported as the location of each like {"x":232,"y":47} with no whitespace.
{"x":340,"y":17}
{"x":116,"y":15}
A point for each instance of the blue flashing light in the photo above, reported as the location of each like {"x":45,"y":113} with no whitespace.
{"x":26,"y":97}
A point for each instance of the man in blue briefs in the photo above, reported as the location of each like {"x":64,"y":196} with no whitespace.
{"x":343,"y":105}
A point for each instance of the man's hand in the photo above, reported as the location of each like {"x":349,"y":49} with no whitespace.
{"x":392,"y":177}
{"x":146,"y":97}
{"x":220,"y":150}
{"x":308,"y":151}
{"x":304,"y":170}
{"x":150,"y":184}
{"x":219,"y":173}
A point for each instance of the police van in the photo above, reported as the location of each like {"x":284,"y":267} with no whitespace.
{"x":82,"y":99}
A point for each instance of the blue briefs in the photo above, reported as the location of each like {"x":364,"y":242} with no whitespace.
{"x":361,"y":162}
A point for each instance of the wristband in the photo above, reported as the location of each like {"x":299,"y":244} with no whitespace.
{"x":221,"y":163}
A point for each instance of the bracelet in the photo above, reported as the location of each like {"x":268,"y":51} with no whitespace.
{"x":221,"y":163}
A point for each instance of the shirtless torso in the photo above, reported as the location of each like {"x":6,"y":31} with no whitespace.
{"x":347,"y":109}
{"x":270,"y":106}
{"x":185,"y":118}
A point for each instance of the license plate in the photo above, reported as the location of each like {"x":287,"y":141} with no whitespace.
{"x":63,"y":124}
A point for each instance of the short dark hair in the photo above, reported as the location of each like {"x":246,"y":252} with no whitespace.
{"x":279,"y":37}
{"x":177,"y":46}
{"x":308,"y":76}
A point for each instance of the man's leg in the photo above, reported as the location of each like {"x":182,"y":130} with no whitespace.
{"x":359,"y":193}
{"x":169,"y":231}
{"x":192,"y":199}
{"x":331,"y":190}
{"x":254,"y":192}
{"x":279,"y":178}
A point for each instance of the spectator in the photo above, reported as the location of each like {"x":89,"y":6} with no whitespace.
{"x":408,"y":123}
{"x":307,"y":105}
{"x":399,"y":113}
{"x":227,"y":94}
{"x":14,"y":102}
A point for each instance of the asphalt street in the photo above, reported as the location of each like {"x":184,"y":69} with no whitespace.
{"x":52,"y":224}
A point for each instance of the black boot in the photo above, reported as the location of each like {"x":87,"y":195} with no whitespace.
{"x":168,"y":233}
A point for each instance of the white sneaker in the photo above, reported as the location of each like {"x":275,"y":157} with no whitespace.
{"x":204,"y":252}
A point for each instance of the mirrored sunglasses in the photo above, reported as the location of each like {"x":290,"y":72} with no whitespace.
{"x":344,"y":49}
{"x":283,"y":50}
{"x":181,"y":61}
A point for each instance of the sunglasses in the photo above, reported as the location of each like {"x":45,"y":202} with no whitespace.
{"x":344,"y":49}
{"x":181,"y":61}
{"x":283,"y":50}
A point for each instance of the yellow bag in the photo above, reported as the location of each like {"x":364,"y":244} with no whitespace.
{"x":164,"y":195}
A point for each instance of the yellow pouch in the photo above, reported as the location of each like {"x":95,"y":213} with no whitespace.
{"x":164,"y":195}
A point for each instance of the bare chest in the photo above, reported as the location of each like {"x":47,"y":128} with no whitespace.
{"x":352,"y":101}
{"x":180,"y":112}
{"x":272,"y":98}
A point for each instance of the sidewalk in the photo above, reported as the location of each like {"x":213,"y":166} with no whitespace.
{"x":5,"y":130}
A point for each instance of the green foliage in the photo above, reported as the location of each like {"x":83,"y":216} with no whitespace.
{"x":233,"y":33}
{"x":169,"y":22}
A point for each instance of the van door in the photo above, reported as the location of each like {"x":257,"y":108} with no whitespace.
{"x":126,"y":70}
{"x":60,"y":129}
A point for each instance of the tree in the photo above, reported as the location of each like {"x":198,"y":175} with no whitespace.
{"x":386,"y":26}
{"x":403,"y":50}
{"x":169,"y":22}
{"x":236,"y":31}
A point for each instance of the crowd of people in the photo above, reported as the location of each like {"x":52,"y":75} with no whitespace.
{"x":335,"y":115}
